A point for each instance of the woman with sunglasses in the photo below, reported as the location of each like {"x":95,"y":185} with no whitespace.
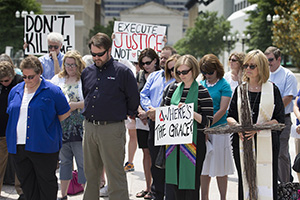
{"x":234,"y":76}
{"x":218,"y":160}
{"x":34,"y":135}
{"x":183,"y":171}
{"x":70,"y":83}
{"x":266,"y":107}
{"x":148,"y":62}
{"x":8,"y":79}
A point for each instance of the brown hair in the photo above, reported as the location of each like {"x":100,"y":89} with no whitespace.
{"x":211,"y":63}
{"x":189,"y":61}
{"x":80,"y":64}
{"x":273,"y":50}
{"x":100,"y":40}
{"x":6,"y":70}
{"x":240,"y":57}
{"x":32,"y":62}
{"x":168,"y":75}
{"x":150,"y":53}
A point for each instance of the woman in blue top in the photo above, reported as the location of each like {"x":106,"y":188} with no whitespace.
{"x":218,"y":161}
{"x":34,"y":134}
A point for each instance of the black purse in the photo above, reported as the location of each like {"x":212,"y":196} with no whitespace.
{"x":160,"y":161}
{"x":296,"y":166}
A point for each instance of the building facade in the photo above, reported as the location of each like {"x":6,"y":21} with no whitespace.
{"x":87,"y":14}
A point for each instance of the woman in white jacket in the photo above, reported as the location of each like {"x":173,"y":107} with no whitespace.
{"x":70,"y":83}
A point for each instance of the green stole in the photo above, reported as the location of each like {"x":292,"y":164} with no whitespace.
{"x":187,"y":153}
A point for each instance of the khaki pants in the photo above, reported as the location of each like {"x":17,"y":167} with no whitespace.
{"x":104,"y":146}
{"x":3,"y":164}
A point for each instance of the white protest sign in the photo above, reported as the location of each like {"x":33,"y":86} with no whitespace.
{"x":174,"y":125}
{"x":37,"y":27}
{"x":131,"y":38}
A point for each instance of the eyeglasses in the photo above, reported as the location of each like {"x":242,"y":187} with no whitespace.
{"x":172,"y":69}
{"x":250,"y":66}
{"x":98,"y":54}
{"x":4,"y":81}
{"x":28,"y":77}
{"x":53,"y":46}
{"x":270,"y":59}
{"x":183,"y":72}
{"x":233,"y":60}
{"x":67,"y":65}
{"x":147,"y":63}
{"x":209,"y":73}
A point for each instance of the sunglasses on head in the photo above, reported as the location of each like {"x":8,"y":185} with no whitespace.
{"x":98,"y":54}
{"x":53,"y":46}
{"x":4,"y":81}
{"x":250,"y":66}
{"x":209,"y":73}
{"x":183,"y":72}
{"x":146,"y":63}
{"x":270,"y":59}
{"x":232,"y":60}
{"x":28,"y":77}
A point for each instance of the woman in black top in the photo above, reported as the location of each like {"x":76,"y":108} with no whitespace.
{"x":266,"y":107}
{"x":8,"y":79}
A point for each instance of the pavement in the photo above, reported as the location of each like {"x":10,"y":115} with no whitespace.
{"x":136,"y":181}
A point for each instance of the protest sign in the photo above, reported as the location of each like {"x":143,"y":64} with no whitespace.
{"x":131,"y":38}
{"x":174,"y":125}
{"x":37,"y":27}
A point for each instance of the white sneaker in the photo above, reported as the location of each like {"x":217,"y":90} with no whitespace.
{"x":104,"y":191}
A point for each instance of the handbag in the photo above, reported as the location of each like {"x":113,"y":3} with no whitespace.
{"x":74,"y":186}
{"x":296,"y":166}
{"x":160,"y":161}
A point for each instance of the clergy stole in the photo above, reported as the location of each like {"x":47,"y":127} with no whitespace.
{"x":264,"y":146}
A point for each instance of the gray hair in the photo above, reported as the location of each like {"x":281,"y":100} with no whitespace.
{"x":55,"y":37}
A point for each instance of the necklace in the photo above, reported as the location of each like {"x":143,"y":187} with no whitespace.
{"x":252,"y":112}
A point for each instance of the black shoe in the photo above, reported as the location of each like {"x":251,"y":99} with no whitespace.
{"x":22,"y":197}
{"x":63,"y":198}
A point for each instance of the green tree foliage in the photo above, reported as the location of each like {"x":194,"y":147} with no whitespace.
{"x":205,"y":37}
{"x":260,"y":28}
{"x":12,"y":28}
{"x":286,"y":32}
{"x":108,"y":29}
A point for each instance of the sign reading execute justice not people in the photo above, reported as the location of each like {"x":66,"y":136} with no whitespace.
{"x":131,"y":38}
{"x":37,"y":27}
{"x":174,"y":125}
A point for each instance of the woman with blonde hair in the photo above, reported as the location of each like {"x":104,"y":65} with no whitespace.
{"x":70,"y":83}
{"x":234,"y":76}
{"x":266,"y":107}
{"x":184,"y":161}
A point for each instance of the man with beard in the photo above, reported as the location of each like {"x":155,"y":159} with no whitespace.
{"x":110,"y":94}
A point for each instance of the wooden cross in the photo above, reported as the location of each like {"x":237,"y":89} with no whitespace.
{"x":246,"y":124}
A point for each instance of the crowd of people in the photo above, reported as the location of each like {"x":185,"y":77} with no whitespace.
{"x":64,"y":106}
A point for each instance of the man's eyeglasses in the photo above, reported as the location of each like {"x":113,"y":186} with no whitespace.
{"x":4,"y":81}
{"x":98,"y":54}
{"x":53,"y":46}
{"x":270,"y":59}
{"x":209,"y":73}
{"x":146,"y":63}
{"x":250,"y":66}
{"x":232,"y":60}
{"x":29,"y":77}
{"x":67,"y":65}
{"x":183,"y":72}
{"x":172,"y":69}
